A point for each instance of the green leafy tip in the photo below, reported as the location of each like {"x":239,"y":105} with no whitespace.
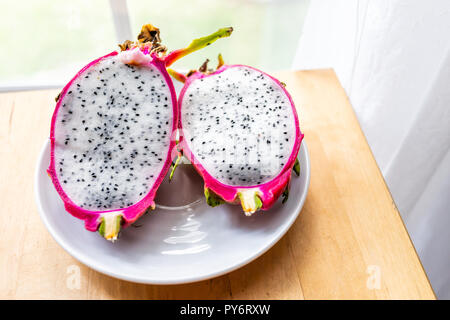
{"x":296,"y":167}
{"x":177,"y":75}
{"x":175,"y":165}
{"x":258,"y":202}
{"x":110,"y":226}
{"x":221,"y":62}
{"x":285,"y":194}
{"x":212,"y":199}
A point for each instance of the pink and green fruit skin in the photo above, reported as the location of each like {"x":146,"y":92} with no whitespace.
{"x":244,"y":93}
{"x":114,"y":213}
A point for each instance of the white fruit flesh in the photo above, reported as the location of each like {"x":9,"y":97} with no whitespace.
{"x":112,"y":134}
{"x":239,"y":125}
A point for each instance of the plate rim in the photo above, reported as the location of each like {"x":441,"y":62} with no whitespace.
{"x":79,"y":256}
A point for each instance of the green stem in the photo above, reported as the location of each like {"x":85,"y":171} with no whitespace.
{"x":197,"y":44}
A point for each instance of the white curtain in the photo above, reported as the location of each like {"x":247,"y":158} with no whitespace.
{"x":392,"y":57}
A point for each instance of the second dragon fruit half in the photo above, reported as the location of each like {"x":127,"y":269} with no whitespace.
{"x":240,"y":130}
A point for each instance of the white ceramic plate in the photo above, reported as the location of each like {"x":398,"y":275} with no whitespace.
{"x":183,"y":240}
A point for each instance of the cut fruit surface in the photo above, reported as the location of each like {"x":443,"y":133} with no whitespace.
{"x":111,"y":139}
{"x":240,"y":130}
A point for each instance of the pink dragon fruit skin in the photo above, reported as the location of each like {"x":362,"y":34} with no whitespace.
{"x":268,"y":192}
{"x":109,"y":221}
{"x":130,"y":214}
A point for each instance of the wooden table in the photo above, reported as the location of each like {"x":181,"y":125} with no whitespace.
{"x":349,"y":241}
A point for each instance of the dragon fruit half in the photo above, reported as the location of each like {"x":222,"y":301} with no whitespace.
{"x":111,"y":132}
{"x":239,"y":128}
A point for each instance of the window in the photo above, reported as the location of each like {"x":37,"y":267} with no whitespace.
{"x":46,"y":42}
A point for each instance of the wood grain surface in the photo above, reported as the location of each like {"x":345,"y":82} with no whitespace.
{"x":349,"y":241}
